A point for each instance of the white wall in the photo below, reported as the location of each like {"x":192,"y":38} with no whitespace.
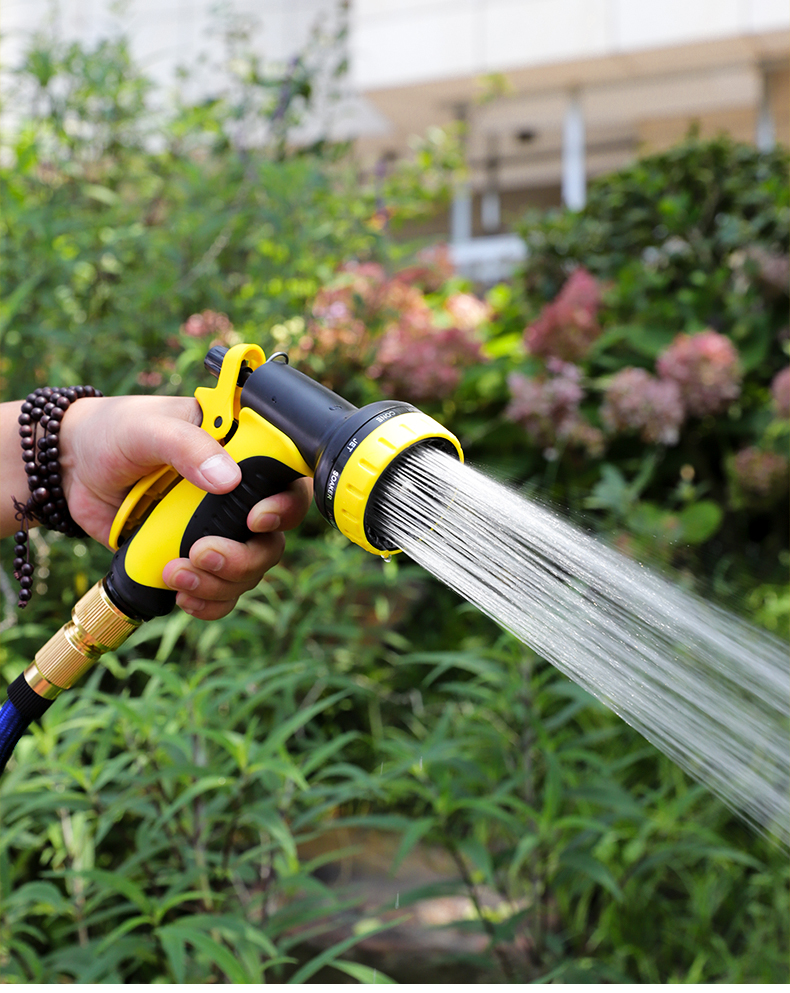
{"x":396,"y":42}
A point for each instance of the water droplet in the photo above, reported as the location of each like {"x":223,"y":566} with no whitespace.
{"x":386,"y":557}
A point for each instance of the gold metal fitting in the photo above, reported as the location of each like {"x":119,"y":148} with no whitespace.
{"x":96,"y":627}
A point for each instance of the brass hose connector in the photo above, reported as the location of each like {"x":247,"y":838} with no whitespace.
{"x":96,"y":627}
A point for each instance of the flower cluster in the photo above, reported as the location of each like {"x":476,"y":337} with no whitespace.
{"x":706,"y":368}
{"x":567,"y":327}
{"x":208,"y":324}
{"x":637,"y":401}
{"x":547,"y":407}
{"x":780,"y":391}
{"x":419,"y":362}
{"x":334,"y":323}
{"x":467,"y":311}
{"x":432,"y":270}
{"x":760,"y":474}
{"x":365,"y":321}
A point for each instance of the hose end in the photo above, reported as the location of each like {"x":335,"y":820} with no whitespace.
{"x":96,"y":626}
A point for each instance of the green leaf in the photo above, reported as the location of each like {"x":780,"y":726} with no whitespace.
{"x":9,"y":307}
{"x":587,"y":865}
{"x":700,"y":521}
{"x":101,"y":193}
{"x":362,"y":973}
{"x":413,"y":833}
{"x":328,"y":956}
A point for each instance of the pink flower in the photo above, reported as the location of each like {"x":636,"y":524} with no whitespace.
{"x":432,"y":270}
{"x":209,"y":323}
{"x":417,"y":361}
{"x":567,"y":327}
{"x":706,"y":368}
{"x":151,"y":379}
{"x":363,"y":278}
{"x":761,"y":474}
{"x":468,"y":311}
{"x":547,"y":408}
{"x":637,"y":401}
{"x":780,"y":389}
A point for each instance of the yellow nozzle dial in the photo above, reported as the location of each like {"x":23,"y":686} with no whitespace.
{"x":369,"y":460}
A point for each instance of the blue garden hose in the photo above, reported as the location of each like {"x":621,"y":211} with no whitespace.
{"x":22,"y":707}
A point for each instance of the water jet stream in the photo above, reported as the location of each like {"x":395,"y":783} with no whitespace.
{"x":708,"y":689}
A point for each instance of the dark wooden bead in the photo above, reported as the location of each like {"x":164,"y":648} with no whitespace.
{"x":31,"y":468}
{"x":63,"y":402}
{"x":25,"y":431}
{"x":54,"y":427}
{"x":25,"y":419}
{"x":48,"y":508}
{"x":20,"y":536}
{"x":26,"y":407}
{"x":26,"y":582}
{"x":26,"y":569}
{"x":55,"y":490}
{"x":24,"y":596}
{"x":53,"y":453}
{"x":28,"y":456}
{"x":56,"y":414}
{"x":41,"y":495}
{"x":54,"y":479}
{"x":79,"y":391}
{"x":60,"y":503}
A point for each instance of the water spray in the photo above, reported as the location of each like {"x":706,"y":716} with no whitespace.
{"x":278,"y":425}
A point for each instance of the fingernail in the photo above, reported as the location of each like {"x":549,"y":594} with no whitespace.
{"x":185,"y":580}
{"x":211,"y":561}
{"x":191,"y":605}
{"x":220,"y":470}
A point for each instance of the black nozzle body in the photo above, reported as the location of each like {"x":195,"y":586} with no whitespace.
{"x":304,"y":410}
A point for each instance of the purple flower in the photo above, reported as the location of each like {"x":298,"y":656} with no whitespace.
{"x":761,"y":474}
{"x":637,"y":401}
{"x":547,"y":407}
{"x":706,"y":368}
{"x":567,"y":327}
{"x":419,"y":362}
{"x":780,"y":389}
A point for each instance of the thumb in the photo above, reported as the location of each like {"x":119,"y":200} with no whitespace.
{"x":177,"y":440}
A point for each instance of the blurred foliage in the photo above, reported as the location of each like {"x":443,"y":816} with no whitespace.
{"x":154,"y":824}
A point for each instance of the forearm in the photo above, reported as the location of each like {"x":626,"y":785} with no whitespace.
{"x":13,"y":479}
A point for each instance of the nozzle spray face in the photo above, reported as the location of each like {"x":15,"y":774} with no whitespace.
{"x":350,"y":470}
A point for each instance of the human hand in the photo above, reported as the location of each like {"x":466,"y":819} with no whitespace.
{"x":107,"y":444}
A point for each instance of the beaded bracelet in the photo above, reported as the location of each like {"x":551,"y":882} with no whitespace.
{"x":46,"y":505}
